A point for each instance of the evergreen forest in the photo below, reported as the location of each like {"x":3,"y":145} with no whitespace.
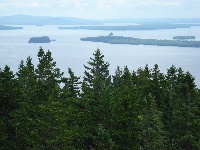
{"x":130,"y":110}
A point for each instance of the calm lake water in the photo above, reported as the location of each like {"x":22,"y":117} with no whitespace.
{"x":69,"y":51}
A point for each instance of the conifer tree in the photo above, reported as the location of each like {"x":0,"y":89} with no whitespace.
{"x":72,"y":103}
{"x":24,"y":116}
{"x":124,"y":110}
{"x":143,"y":82}
{"x":27,"y":80}
{"x":139,"y":110}
{"x":176,"y":110}
{"x":183,"y":110}
{"x":96,"y":75}
{"x":158,"y":84}
{"x":151,"y":134}
{"x":8,"y":103}
{"x":49,"y":77}
{"x":72,"y":85}
{"x":95,"y":94}
{"x":39,"y":119}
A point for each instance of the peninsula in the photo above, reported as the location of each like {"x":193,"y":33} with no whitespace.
{"x":9,"y":28}
{"x":137,"y":41}
{"x":43,"y":39}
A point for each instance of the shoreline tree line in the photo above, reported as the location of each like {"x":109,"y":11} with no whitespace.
{"x":143,"y":109}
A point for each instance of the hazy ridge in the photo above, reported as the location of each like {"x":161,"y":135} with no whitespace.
{"x":47,"y":20}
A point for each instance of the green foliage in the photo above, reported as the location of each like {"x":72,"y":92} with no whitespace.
{"x":95,"y":87}
{"x":96,"y":75}
{"x":151,"y":134}
{"x":145,"y":109}
{"x":8,"y":103}
{"x":72,"y":85}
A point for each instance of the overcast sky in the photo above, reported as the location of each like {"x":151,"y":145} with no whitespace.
{"x":103,"y":9}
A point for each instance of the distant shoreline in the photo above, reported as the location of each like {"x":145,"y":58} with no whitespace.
{"x":150,"y":26}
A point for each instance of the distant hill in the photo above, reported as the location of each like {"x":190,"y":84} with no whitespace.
{"x":45,"y":20}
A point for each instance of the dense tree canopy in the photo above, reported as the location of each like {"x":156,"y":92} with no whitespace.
{"x":142,"y":109}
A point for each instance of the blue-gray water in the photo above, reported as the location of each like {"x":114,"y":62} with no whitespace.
{"x":69,"y":51}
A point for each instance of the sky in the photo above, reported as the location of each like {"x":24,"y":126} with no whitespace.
{"x":103,"y":9}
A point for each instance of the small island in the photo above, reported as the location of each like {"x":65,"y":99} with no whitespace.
{"x":43,"y":39}
{"x":137,"y":41}
{"x":9,"y":28}
{"x":184,"y":37}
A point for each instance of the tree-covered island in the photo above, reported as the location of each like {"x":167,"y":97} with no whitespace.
{"x":43,"y":39}
{"x":9,"y":28}
{"x":137,"y":41}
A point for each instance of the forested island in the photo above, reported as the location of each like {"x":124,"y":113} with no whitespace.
{"x":43,"y":39}
{"x":145,"y":26}
{"x":137,"y":41}
{"x":184,"y":37}
{"x":9,"y":28}
{"x":141,"y":109}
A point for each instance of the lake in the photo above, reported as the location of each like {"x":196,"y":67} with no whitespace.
{"x":69,"y":51}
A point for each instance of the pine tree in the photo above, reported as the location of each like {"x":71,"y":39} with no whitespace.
{"x":74,"y":110}
{"x":179,"y":108}
{"x":8,"y":103}
{"x":49,"y":77}
{"x":139,"y":110}
{"x":158,"y":84}
{"x":23,"y":117}
{"x":124,"y":110}
{"x":95,"y":87}
{"x":143,"y":81}
{"x":71,"y":85}
{"x":40,"y":118}
{"x":27,"y":80}
{"x":150,"y":125}
{"x":184,"y":110}
{"x":96,"y":75}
